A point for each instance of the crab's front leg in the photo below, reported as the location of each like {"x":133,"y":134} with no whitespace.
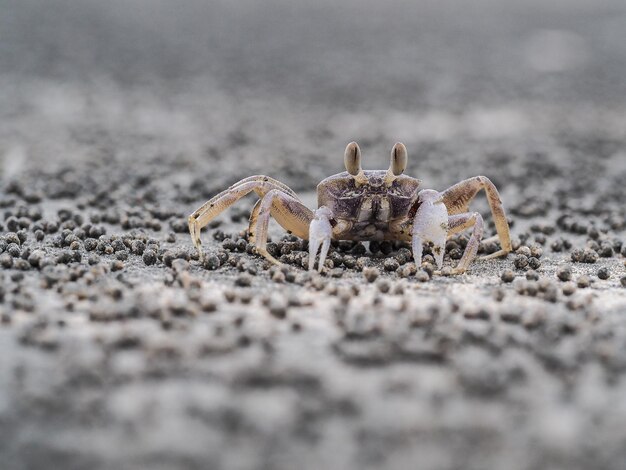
{"x":320,"y":234}
{"x":430,"y":224}
{"x":459,"y":222}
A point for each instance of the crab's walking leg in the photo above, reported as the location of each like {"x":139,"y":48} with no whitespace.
{"x":219,"y":203}
{"x":459,"y":222}
{"x":320,"y":234}
{"x":457,"y":199}
{"x":254,"y":215}
{"x":430,"y":224}
{"x":288,"y":211}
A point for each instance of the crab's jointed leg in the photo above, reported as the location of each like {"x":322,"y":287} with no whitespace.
{"x":320,"y":234}
{"x":459,"y":222}
{"x":457,"y":199}
{"x":430,"y":224}
{"x":254,"y":215}
{"x":219,"y":203}
{"x":287,"y":210}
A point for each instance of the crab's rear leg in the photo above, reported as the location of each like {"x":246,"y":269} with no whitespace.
{"x":254,"y":215}
{"x":459,"y":222}
{"x":219,"y":203}
{"x":457,"y":199}
{"x":288,"y":211}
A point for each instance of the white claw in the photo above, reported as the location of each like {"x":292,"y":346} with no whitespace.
{"x":430,"y":225}
{"x":323,"y":253}
{"x":320,"y":232}
{"x":417,"y":249}
{"x":439,"y":249}
{"x":313,"y":247}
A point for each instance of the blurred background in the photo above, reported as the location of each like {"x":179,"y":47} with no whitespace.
{"x":281,"y":86}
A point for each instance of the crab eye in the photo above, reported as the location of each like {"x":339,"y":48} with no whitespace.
{"x":352,"y":158}
{"x":398,"y":159}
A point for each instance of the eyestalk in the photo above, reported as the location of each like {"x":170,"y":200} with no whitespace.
{"x":352,"y":158}
{"x":398,"y":159}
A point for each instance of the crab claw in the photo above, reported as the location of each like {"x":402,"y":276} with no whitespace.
{"x":320,"y":232}
{"x":430,"y":225}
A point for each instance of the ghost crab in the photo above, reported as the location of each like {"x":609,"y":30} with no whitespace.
{"x":365,"y":205}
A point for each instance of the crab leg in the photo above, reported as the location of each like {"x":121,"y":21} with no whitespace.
{"x":320,"y":233}
{"x":430,"y":224}
{"x":287,"y":210}
{"x":459,"y":222}
{"x":457,"y":199}
{"x":216,"y":205}
{"x":254,"y":215}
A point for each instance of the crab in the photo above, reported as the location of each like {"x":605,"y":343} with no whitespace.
{"x":365,"y":205}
